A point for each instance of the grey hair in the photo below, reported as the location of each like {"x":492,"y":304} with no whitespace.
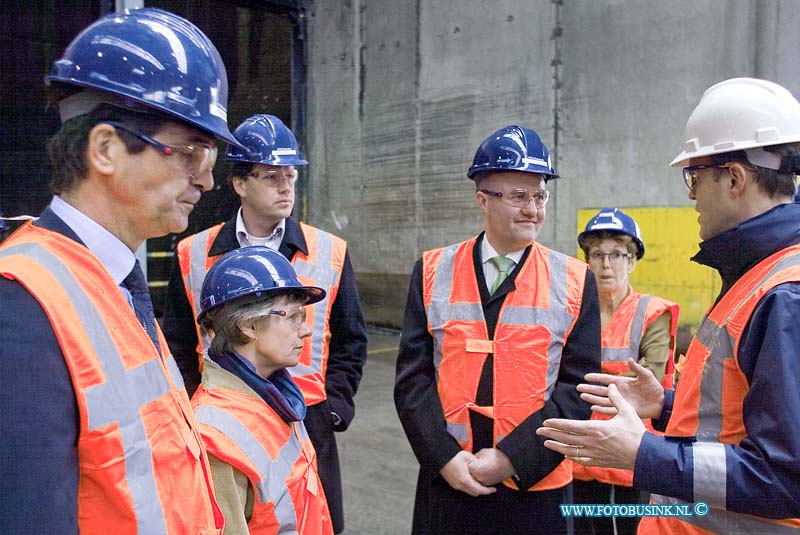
{"x":229,"y":321}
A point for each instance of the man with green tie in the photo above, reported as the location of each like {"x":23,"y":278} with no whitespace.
{"x":498,"y":331}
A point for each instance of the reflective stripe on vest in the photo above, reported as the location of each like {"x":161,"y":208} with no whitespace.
{"x":716,"y":521}
{"x":621,"y":340}
{"x":557,"y":319}
{"x":120,"y":398}
{"x":198,"y":246}
{"x":272,"y":487}
{"x":323,"y":274}
{"x":716,"y":380}
{"x":535,"y":319}
{"x":714,"y":335}
{"x":622,"y":354}
{"x":201,"y":242}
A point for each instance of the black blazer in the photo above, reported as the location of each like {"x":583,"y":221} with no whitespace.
{"x":417,"y":399}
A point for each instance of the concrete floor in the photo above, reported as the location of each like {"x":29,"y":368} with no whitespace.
{"x":379,"y":471}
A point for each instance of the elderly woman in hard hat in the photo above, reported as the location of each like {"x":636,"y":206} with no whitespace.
{"x":634,"y":325}
{"x":249,"y":409}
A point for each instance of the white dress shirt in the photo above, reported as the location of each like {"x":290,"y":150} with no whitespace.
{"x":490,"y":271}
{"x":115,"y":256}
{"x":273,"y":241}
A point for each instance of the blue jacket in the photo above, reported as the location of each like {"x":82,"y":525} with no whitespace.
{"x":764,"y":468}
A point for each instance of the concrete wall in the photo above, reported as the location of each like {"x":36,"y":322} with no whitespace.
{"x":401,"y":93}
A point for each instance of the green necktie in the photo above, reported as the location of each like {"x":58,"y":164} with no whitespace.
{"x":504,"y":265}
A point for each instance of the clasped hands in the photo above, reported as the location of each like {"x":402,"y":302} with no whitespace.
{"x":476,"y":473}
{"x":610,"y":443}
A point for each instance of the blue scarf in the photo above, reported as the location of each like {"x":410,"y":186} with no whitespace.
{"x":279,"y":391}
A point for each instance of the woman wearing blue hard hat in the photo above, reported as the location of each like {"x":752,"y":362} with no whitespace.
{"x":634,"y":325}
{"x":249,"y":409}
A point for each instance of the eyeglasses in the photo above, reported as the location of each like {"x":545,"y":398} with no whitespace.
{"x":690,"y":173}
{"x":520,"y":198}
{"x":614,"y":256}
{"x":294,"y":315}
{"x":197,"y":158}
{"x":275,"y":177}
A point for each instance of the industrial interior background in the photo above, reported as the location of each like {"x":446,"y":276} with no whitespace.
{"x":389,"y":100}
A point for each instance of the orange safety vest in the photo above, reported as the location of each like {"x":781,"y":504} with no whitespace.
{"x":277,"y":458}
{"x":139,"y":451}
{"x":709,"y":402}
{"x":321,"y":267}
{"x":533,"y":325}
{"x":621,"y":339}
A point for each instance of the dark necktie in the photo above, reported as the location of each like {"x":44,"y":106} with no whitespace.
{"x":137,"y":286}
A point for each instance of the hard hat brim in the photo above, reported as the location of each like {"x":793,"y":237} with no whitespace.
{"x":314,"y":294}
{"x":682,"y":159}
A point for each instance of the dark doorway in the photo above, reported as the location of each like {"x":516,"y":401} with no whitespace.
{"x":32,"y":34}
{"x":261,"y":44}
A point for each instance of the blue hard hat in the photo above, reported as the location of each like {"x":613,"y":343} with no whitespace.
{"x":254,"y":272}
{"x":151,"y":58}
{"x":267,"y":140}
{"x":615,"y":221}
{"x":513,"y":148}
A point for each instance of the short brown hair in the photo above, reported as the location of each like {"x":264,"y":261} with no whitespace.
{"x":771,"y":181}
{"x":67,"y":148}
{"x":241,"y":170}
{"x":594,"y":238}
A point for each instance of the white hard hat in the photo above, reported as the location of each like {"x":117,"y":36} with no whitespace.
{"x":741,"y":114}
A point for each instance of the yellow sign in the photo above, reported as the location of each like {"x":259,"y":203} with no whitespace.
{"x":670,"y":237}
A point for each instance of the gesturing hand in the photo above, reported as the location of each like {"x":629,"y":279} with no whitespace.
{"x":456,"y":473}
{"x":610,"y":443}
{"x":643,"y":392}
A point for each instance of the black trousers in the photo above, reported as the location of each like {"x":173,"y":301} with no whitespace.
{"x":601,"y":493}
{"x":440,"y":509}
{"x":320,"y":431}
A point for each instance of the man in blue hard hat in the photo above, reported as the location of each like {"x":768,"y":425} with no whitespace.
{"x":98,"y":434}
{"x":498,"y":331}
{"x":263,"y":176}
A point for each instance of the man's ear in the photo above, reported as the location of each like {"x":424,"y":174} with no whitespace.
{"x":482,"y":200}
{"x":739,"y":177}
{"x":102,"y":147}
{"x":237,"y":183}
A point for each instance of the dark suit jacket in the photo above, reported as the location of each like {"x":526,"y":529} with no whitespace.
{"x":420,"y":410}
{"x":38,"y":449}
